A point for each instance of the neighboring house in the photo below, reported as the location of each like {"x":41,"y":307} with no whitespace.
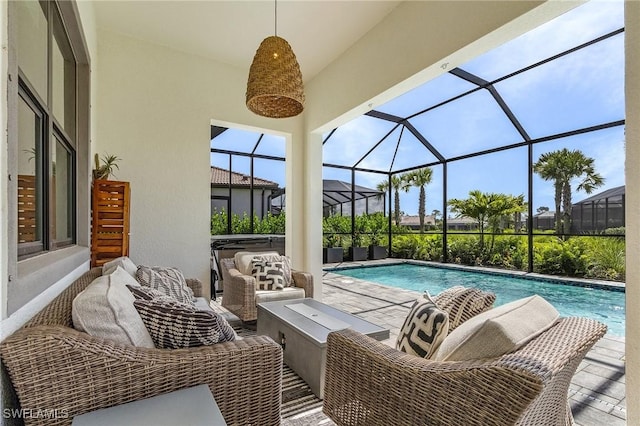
{"x":337,"y":194}
{"x":461,"y":224}
{"x":599,"y":212}
{"x":544,"y":221}
{"x":336,"y":199}
{"x":233,"y":191}
{"x":413,"y":222}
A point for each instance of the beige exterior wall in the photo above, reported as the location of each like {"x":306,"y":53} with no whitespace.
{"x":632,"y":176}
{"x":4,"y":182}
{"x":154,"y":116}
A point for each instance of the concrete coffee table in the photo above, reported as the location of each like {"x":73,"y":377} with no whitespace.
{"x":301,"y":326}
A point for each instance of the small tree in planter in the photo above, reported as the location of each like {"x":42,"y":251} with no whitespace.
{"x":333,"y":252}
{"x":376,"y":249}
{"x":377,"y":225}
{"x":356,"y":251}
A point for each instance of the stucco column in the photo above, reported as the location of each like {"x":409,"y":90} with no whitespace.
{"x":304,"y":205}
{"x":632,"y":212}
{"x":313,"y":201}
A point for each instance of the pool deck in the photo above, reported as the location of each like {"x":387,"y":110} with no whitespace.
{"x":597,"y":391}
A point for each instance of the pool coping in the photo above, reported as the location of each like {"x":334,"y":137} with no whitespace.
{"x":574,"y":281}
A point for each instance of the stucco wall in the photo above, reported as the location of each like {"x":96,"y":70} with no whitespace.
{"x":632,"y":176}
{"x":156,"y":105}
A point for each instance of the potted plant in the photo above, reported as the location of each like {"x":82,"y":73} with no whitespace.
{"x":376,"y":249}
{"x":333,"y":252}
{"x":104,"y":170}
{"x":357,"y":251}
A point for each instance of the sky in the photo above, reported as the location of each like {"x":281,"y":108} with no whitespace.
{"x":582,"y":89}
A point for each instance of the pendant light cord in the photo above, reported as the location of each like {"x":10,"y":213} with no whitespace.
{"x":275,"y":16}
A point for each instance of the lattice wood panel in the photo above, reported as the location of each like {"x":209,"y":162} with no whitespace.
{"x":110,"y":221}
{"x":27,"y":231}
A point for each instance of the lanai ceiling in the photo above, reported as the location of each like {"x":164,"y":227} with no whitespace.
{"x":230,"y":31}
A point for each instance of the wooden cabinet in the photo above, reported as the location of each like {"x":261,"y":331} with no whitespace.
{"x":110,"y":202}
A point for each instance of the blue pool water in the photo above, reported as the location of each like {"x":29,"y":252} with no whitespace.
{"x":603,"y":305}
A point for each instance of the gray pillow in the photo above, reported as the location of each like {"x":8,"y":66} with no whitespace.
{"x":105,"y":309}
{"x":169,"y":281}
{"x":174,"y":325}
{"x":124,"y":262}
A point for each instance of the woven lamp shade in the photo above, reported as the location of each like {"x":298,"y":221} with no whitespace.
{"x":275,"y":88}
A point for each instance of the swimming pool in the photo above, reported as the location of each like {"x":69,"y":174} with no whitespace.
{"x":603,"y":305}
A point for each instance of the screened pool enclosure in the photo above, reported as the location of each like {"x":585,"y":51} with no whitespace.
{"x":489,"y":126}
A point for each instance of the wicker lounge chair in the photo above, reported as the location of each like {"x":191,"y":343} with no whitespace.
{"x":53,"y":366}
{"x":241,"y":295}
{"x":370,"y":383}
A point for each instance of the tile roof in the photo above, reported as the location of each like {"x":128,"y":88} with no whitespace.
{"x":220,"y":177}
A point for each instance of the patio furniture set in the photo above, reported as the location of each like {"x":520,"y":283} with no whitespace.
{"x":458,"y":360}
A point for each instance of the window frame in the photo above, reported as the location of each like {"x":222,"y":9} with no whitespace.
{"x":52,"y":131}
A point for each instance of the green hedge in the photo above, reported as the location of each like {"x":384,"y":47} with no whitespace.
{"x":579,"y":256}
{"x":270,"y":224}
{"x":582,"y":256}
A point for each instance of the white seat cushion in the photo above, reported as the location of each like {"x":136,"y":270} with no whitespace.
{"x":105,"y":309}
{"x":284,"y":294}
{"x":498,"y":331}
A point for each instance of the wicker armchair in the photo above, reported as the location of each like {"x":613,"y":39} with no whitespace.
{"x":241,"y":295}
{"x":52,"y":366}
{"x":369,"y":383}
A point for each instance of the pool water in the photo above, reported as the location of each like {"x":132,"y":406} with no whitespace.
{"x":603,"y":305}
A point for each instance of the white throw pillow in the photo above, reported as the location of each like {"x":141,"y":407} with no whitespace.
{"x":124,"y":262}
{"x":105,"y":309}
{"x":243,"y":259}
{"x":498,"y":331}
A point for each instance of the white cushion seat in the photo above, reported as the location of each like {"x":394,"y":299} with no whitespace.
{"x":498,"y":331}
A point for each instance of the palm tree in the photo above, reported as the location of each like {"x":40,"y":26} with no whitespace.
{"x":421,"y":178}
{"x":561,"y":167}
{"x":398,"y":183}
{"x":487,"y":209}
{"x":475,"y":207}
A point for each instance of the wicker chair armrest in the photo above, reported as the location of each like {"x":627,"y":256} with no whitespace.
{"x":368,"y":382}
{"x":303,"y":280}
{"x":239,"y":295}
{"x":195,"y":285}
{"x":56,"y":367}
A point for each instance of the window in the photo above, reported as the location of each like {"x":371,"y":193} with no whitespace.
{"x":46,"y":130}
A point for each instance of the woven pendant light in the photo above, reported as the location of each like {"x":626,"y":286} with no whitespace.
{"x":274,"y":87}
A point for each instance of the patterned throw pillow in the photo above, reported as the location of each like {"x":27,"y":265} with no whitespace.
{"x":462,"y":303}
{"x":271,"y":274}
{"x":169,"y":281}
{"x":146,"y":293}
{"x":424,"y":329}
{"x":174,"y":325}
{"x":286,"y":265}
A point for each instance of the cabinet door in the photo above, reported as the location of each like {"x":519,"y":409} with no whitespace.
{"x":109,"y":221}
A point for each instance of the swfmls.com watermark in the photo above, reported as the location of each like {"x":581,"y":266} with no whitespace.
{"x":28,"y":413}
